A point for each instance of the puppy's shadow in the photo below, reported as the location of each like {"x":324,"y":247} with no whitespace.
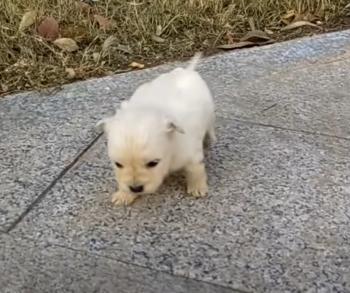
{"x":173,"y":188}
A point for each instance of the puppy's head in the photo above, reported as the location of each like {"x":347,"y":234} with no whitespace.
{"x":140,"y":148}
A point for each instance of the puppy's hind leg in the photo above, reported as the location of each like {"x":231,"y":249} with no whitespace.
{"x":210,"y":136}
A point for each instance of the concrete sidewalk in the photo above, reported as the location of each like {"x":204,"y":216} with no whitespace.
{"x":278,"y":214}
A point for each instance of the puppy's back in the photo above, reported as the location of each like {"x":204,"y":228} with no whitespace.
{"x":181,"y":93}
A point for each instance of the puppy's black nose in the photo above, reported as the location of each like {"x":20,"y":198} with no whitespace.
{"x":136,"y":189}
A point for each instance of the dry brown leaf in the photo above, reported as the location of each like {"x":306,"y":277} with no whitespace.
{"x":158,"y":39}
{"x":298,"y":24}
{"x":49,"y":29}
{"x":244,"y":44}
{"x":237,"y":45}
{"x":70,"y":73}
{"x":103,"y":22}
{"x":27,"y":20}
{"x":66,"y":44}
{"x":136,"y":65}
{"x":256,"y":36}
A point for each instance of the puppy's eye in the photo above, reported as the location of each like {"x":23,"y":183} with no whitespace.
{"x":152,"y":164}
{"x":118,"y":165}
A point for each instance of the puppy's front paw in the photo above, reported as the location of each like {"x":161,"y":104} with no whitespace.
{"x":197,"y":188}
{"x":197,"y":180}
{"x":123,"y":198}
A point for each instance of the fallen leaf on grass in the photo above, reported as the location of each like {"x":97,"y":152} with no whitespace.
{"x":104,"y":23}
{"x":137,"y":65}
{"x":298,"y":24}
{"x":66,"y":44}
{"x":252,"y":38}
{"x":49,"y":29}
{"x":27,"y":20}
{"x":70,"y":73}
{"x":245,"y":44}
{"x":256,"y":36}
{"x":238,"y":45}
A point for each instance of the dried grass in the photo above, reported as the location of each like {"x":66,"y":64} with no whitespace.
{"x":148,"y":31}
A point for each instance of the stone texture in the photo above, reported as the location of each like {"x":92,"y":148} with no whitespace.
{"x":300,"y":85}
{"x":42,"y":133}
{"x":39,"y":137}
{"x":276,"y":219}
{"x":312,"y":98}
{"x":28,"y":267}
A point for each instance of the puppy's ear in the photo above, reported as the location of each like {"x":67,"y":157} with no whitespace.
{"x":103,"y":123}
{"x":172,"y":127}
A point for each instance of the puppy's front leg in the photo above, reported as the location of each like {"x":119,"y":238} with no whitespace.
{"x":196,"y":179}
{"x":123,"y":198}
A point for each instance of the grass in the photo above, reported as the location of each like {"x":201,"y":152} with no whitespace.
{"x":148,"y":32}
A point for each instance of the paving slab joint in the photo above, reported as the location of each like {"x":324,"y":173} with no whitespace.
{"x":52,"y":184}
{"x":249,"y":122}
{"x":82,"y":251}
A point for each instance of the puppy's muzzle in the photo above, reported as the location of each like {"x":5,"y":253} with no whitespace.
{"x":136,"y":188}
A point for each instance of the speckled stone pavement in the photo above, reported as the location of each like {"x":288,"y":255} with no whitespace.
{"x":277,"y":218}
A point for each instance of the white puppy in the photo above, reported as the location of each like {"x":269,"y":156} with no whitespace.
{"x":161,"y":129}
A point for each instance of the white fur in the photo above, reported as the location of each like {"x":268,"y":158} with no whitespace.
{"x":166,"y":119}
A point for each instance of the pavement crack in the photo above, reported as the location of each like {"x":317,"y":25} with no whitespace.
{"x":33,"y":242}
{"x":82,"y":251}
{"x":268,"y":108}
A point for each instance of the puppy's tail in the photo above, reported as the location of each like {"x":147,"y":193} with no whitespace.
{"x":194,"y":61}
